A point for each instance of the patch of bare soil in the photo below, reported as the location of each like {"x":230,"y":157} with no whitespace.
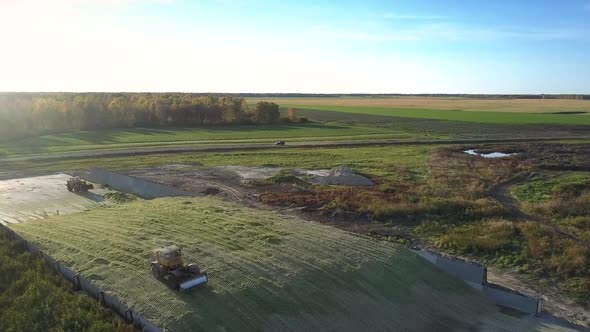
{"x":550,"y":156}
{"x":225,"y":185}
{"x":234,"y":182}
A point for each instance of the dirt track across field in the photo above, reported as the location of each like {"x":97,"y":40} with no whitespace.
{"x":261,"y":146}
{"x":501,"y":193}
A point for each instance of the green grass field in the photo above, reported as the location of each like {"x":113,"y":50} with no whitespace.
{"x":540,"y":188}
{"x":267,"y":271}
{"x":477,"y":117}
{"x":142,"y":137}
{"x":383,"y":161}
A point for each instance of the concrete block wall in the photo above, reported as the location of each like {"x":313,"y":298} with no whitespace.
{"x":129,"y":184}
{"x":513,"y":300}
{"x":472,"y":273}
{"x":475,"y":275}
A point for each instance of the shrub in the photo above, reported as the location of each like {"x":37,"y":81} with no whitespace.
{"x":562,"y":206}
{"x":292,"y":114}
{"x":119,"y":197}
{"x":554,"y":252}
{"x":485,"y":238}
{"x":578,"y":288}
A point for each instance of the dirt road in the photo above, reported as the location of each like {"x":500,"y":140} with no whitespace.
{"x":263,"y":146}
{"x":501,"y":193}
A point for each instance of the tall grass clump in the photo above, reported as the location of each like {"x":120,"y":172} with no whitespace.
{"x":34,"y":298}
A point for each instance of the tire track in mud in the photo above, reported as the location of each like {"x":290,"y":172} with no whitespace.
{"x":501,"y":193}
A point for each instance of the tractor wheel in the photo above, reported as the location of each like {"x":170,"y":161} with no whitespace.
{"x":172,"y":281}
{"x":156,"y":271}
{"x":69,"y":187}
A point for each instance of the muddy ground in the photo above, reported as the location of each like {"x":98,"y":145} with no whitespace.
{"x":244,"y":184}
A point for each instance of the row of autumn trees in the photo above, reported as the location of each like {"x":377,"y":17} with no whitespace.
{"x":26,"y":114}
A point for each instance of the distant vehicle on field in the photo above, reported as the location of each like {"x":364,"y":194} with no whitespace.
{"x":77,"y":185}
{"x":280,"y":143}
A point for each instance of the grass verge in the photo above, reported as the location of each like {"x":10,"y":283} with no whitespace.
{"x":530,"y":248}
{"x":148,"y":137}
{"x":34,"y":298}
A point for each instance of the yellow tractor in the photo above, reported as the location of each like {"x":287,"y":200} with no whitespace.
{"x":168,"y":267}
{"x":77,"y":185}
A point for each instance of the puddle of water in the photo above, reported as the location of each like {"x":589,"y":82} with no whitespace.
{"x":489,"y":155}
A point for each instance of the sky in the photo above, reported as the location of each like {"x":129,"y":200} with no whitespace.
{"x":319,"y":46}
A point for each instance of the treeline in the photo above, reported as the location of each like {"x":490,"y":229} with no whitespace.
{"x":26,"y":114}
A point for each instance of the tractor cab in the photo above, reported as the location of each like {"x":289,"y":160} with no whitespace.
{"x":169,"y":267}
{"x":170,"y":257}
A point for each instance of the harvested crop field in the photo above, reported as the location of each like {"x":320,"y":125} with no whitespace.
{"x":448,"y":103}
{"x":267,"y":271}
{"x":40,"y":197}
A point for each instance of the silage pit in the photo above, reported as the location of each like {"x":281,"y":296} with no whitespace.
{"x":43,"y":196}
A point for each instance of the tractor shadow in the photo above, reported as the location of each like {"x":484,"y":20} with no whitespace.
{"x":92,"y":196}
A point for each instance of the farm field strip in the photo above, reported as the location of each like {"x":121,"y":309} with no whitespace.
{"x":267,"y":271}
{"x":438,"y":103}
{"x":477,"y":117}
{"x":212,"y":143}
{"x":375,"y":160}
{"x":145,"y":137}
